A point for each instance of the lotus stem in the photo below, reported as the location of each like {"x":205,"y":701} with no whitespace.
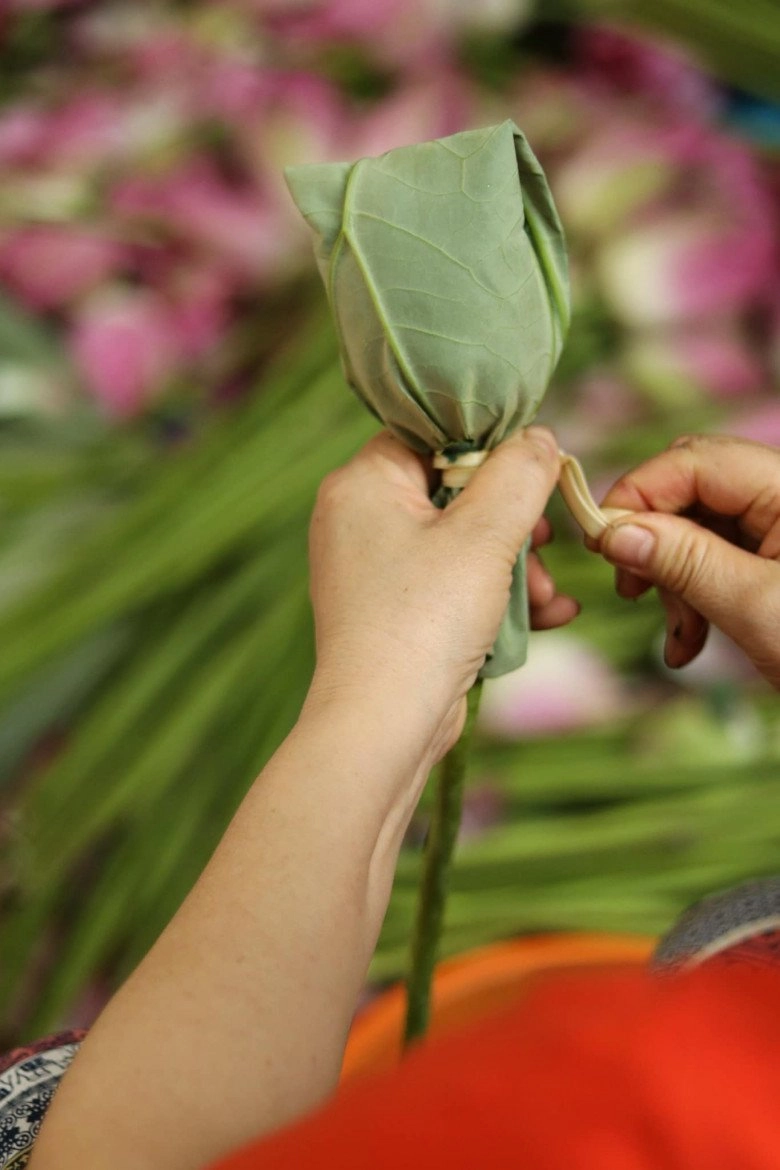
{"x":442,"y":835}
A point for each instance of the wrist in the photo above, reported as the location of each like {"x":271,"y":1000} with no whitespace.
{"x":381,"y":724}
{"x":409,"y":685}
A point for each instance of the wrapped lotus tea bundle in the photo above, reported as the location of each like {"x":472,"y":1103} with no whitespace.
{"x":445,"y":268}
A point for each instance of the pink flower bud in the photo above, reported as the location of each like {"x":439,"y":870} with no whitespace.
{"x":125,"y":348}
{"x":394,"y":33}
{"x":85,"y":130}
{"x":676,"y":365}
{"x":235,"y":225}
{"x":329,"y":20}
{"x":563,"y":685}
{"x":22,"y":135}
{"x":710,"y":249}
{"x":299,"y":118}
{"x":231,"y":89}
{"x":41,"y":5}
{"x":619,"y":62}
{"x":418,"y":110}
{"x":200,"y":301}
{"x":619,"y":170}
{"x":682,"y":267}
{"x":49,"y":265}
{"x":761,"y":423}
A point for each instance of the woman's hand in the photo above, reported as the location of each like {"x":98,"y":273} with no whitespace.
{"x":707,"y":534}
{"x":408,"y":597}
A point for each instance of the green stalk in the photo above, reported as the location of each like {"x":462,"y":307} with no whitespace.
{"x":442,"y":835}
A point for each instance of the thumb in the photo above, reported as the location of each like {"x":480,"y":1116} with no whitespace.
{"x":507,"y":495}
{"x":736,"y":590}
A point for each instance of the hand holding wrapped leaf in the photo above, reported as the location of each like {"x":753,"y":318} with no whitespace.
{"x":445,"y":268}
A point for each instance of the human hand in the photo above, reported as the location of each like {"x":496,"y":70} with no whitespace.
{"x":706,"y":533}
{"x":410,"y":597}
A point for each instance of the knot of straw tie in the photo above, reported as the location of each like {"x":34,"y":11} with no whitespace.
{"x":457,"y":471}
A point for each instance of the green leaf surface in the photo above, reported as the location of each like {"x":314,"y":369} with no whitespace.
{"x":445,"y":267}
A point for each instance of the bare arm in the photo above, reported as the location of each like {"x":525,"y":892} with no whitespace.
{"x":236,"y":1020}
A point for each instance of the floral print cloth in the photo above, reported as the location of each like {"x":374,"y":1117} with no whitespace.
{"x":28,"y":1080}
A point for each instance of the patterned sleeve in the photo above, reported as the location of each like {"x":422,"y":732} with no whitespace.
{"x":28,"y":1080}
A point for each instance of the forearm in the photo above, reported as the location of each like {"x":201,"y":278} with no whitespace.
{"x":236,"y":1020}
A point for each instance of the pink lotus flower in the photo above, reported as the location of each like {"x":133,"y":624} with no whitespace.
{"x":710,"y":249}
{"x":329,"y":20}
{"x":563,"y":685}
{"x":351,"y":20}
{"x":22,"y":134}
{"x":484,"y":807}
{"x":439,"y":104}
{"x":617,"y":171}
{"x":299,"y":117}
{"x":125,"y":347}
{"x":556,"y":111}
{"x":232,"y":89}
{"x":41,"y":5}
{"x":47,"y":266}
{"x":602,"y":402}
{"x":398,"y":34}
{"x":761,"y":423}
{"x":717,"y":359}
{"x":233,"y":225}
{"x":721,"y":661}
{"x":490,"y":16}
{"x":85,"y":130}
{"x":93,"y":130}
{"x":684,"y":267}
{"x":200,"y":309}
{"x":773,"y":329}
{"x":640,"y":66}
{"x":118,"y":31}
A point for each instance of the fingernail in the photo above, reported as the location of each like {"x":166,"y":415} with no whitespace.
{"x":673,"y":650}
{"x":628,"y":545}
{"x":624,"y":584}
{"x":672,"y":647}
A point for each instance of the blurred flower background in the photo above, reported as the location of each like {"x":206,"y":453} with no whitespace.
{"x":169,"y":401}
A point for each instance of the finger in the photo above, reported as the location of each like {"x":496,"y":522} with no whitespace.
{"x":542,"y":533}
{"x":386,"y":457}
{"x":508,"y":493}
{"x":541,"y":587}
{"x":735,"y":590}
{"x":686,"y":630}
{"x":629,"y":585}
{"x":731,"y":477}
{"x":558,"y":612}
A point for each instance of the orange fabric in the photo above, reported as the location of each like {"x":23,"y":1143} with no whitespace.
{"x":485,"y":981}
{"x":610,"y":1070}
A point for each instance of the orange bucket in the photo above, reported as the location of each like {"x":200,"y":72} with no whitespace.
{"x":478,"y":984}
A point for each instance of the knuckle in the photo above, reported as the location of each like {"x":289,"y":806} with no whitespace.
{"x":684,"y":567}
{"x":764,"y":512}
{"x":697,"y":441}
{"x":687,"y":441}
{"x":334,"y":490}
